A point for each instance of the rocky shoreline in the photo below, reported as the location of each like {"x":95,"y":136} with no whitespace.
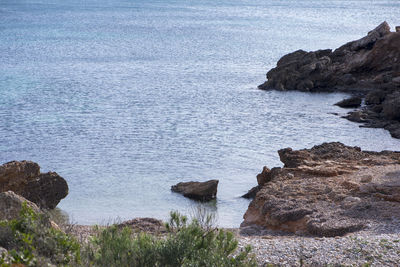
{"x":368,"y":67}
{"x":329,"y":190}
{"x":331,"y":204}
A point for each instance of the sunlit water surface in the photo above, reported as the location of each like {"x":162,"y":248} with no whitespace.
{"x":126,"y":98}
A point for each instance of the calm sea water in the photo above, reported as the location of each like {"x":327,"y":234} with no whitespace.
{"x":126,"y":98}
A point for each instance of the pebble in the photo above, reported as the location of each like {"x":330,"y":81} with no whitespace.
{"x":375,"y":246}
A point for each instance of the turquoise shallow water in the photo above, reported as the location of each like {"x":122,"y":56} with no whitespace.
{"x":126,"y":98}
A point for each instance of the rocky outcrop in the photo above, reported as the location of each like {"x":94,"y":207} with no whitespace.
{"x":11,"y":205}
{"x":371,"y":61}
{"x":202,"y":191}
{"x":328,"y":190}
{"x":369,"y":66}
{"x":24,"y":178}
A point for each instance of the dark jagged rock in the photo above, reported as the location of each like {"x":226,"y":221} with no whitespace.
{"x":202,"y":191}
{"x":328,"y":190}
{"x":24,"y":178}
{"x":353,"y":102}
{"x":369,"y":66}
{"x":252,"y":192}
{"x":46,"y":190}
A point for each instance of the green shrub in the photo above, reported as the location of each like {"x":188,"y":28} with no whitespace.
{"x":32,"y":241}
{"x":185,"y":244}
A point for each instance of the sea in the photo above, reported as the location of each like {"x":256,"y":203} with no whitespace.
{"x":124,"y":98}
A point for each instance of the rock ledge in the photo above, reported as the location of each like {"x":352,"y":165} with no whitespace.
{"x":328,"y":190}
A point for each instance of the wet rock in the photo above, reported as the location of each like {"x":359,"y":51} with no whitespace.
{"x":353,"y":102}
{"x":203,"y":191}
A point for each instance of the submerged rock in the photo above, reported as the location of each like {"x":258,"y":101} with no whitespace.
{"x":203,"y":191}
{"x":24,"y":178}
{"x":328,"y":190}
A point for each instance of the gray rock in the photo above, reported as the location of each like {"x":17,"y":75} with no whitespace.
{"x":11,"y":204}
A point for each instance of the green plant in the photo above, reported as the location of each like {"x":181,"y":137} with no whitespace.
{"x":186,"y":244}
{"x":32,"y":241}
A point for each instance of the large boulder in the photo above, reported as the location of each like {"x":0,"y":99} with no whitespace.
{"x":356,"y":64}
{"x":24,"y":178}
{"x":202,"y":191}
{"x":46,"y":190}
{"x":11,"y":205}
{"x":328,"y":190}
{"x":14,"y":174}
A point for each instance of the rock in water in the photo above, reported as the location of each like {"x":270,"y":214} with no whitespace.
{"x":354,"y":65}
{"x":252,"y":192}
{"x":24,"y":178}
{"x":328,"y":190}
{"x":202,"y":191}
{"x":369,"y":66}
{"x":353,"y":102}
